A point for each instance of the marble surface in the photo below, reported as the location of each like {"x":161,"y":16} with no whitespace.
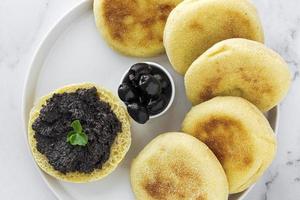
{"x":23,"y":24}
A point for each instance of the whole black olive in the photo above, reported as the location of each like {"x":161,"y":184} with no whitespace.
{"x":163,"y":81}
{"x":141,"y":68}
{"x":150,"y":85}
{"x":127,"y":93}
{"x":138,"y":113}
{"x":137,"y":70}
{"x":156,"y":106}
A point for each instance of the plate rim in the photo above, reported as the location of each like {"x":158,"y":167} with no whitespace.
{"x":78,"y":8}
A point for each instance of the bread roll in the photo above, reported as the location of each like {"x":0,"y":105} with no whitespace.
{"x":134,"y":28}
{"x":239,"y":67}
{"x":195,"y":25}
{"x":176,"y":166}
{"x":239,"y":135}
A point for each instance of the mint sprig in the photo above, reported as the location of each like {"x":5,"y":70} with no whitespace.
{"x":77,"y":136}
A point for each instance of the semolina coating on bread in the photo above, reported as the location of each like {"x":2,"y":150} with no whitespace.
{"x":176,"y":166}
{"x":134,"y":28}
{"x":239,"y":67}
{"x":239,"y":135}
{"x":195,"y":25}
{"x":118,"y":149}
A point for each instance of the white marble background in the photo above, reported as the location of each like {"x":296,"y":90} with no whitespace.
{"x":23,"y":23}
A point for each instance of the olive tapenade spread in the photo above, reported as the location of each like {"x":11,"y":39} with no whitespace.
{"x":54,"y":122}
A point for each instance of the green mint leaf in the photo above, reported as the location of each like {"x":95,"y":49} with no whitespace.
{"x":77,"y":136}
{"x":69,"y":135}
{"x":72,"y":139}
{"x":76,"y":126}
{"x":82,"y":139}
{"x":78,"y":139}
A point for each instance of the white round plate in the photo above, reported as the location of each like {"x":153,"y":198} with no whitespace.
{"x":74,"y":52}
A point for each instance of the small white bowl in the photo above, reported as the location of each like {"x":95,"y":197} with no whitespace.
{"x":172,"y":87}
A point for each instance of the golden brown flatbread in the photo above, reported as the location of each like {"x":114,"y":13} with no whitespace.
{"x":239,"y":67}
{"x":195,"y":25}
{"x":133,"y":27}
{"x":239,"y":135}
{"x":176,"y":166}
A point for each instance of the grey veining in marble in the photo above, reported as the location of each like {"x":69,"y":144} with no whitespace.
{"x":23,"y":24}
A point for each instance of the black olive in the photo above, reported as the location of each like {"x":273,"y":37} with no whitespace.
{"x":141,"y":68}
{"x":127,"y":93}
{"x":131,"y":76}
{"x":138,"y":112}
{"x":132,"y":79}
{"x":156,"y":106}
{"x":137,"y":70}
{"x":150,"y":85}
{"x":163,"y":81}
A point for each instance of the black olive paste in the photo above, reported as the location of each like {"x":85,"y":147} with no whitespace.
{"x":54,"y":122}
